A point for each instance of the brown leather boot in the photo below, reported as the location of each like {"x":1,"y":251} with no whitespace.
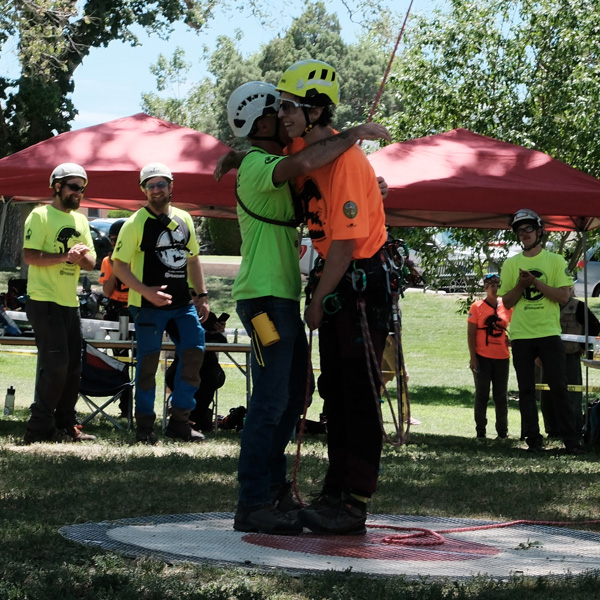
{"x":144,"y":432}
{"x":180,"y":428}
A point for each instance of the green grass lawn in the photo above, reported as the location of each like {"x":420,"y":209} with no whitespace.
{"x":442,"y":471}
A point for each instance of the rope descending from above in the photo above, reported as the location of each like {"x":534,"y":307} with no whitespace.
{"x":307,"y":402}
{"x":389,"y":66}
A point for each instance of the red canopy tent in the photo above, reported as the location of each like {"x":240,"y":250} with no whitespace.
{"x":113,"y":154}
{"x":462,"y":179}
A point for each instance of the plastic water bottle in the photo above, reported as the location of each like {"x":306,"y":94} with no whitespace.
{"x":9,"y":401}
{"x":597,"y":348}
{"x":124,"y":327}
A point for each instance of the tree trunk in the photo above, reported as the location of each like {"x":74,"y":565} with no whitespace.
{"x":11,"y":248}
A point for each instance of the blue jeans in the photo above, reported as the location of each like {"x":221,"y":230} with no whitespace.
{"x":278,"y":395}
{"x":150,"y":324}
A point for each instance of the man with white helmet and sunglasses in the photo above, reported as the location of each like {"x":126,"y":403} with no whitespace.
{"x":535,"y":283}
{"x":269,"y":282}
{"x":156,"y":254}
{"x":58,"y":244}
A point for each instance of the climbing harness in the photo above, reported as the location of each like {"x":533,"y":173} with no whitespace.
{"x":294,"y":222}
{"x":388,"y":269}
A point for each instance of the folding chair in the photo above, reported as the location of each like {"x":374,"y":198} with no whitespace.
{"x":103,"y":376}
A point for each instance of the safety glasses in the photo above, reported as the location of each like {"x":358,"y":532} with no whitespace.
{"x":161,"y":185}
{"x":286,"y":106}
{"x":75,"y":188}
{"x":525,"y":229}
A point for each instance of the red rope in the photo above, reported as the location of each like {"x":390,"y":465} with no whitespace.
{"x":389,"y":66}
{"x":371,"y":360}
{"x":429,"y":537}
{"x":307,"y":400}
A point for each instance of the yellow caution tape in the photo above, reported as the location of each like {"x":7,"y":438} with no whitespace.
{"x":572,"y":388}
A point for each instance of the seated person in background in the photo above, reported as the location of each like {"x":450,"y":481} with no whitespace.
{"x":212,"y":376}
{"x":572,"y":315}
{"x":113,"y":288}
{"x":117,"y":294}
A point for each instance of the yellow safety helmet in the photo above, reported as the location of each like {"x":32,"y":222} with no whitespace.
{"x":309,"y":78}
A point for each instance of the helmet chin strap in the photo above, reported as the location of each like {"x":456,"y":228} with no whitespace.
{"x":309,"y":126}
{"x":538,"y":239}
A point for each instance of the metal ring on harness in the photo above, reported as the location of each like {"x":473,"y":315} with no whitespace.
{"x":359,"y":279}
{"x":332,"y":303}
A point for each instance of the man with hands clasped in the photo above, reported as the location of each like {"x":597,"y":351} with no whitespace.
{"x":58,"y":244}
{"x":536,"y":282}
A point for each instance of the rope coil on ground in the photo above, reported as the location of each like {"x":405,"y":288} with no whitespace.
{"x":429,"y":537}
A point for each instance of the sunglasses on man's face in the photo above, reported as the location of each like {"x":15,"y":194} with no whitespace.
{"x":75,"y":188}
{"x":286,"y":106}
{"x":161,"y":185}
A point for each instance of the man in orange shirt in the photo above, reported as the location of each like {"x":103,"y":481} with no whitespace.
{"x":490,"y":355}
{"x":346,"y":222}
{"x":113,"y":288}
{"x":117,"y":294}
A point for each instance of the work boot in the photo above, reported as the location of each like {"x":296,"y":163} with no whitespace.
{"x":324,"y":500}
{"x":266,"y":519}
{"x":179,"y":427}
{"x":55,"y":436}
{"x":283,"y":497}
{"x":346,"y":517}
{"x":144,"y":432}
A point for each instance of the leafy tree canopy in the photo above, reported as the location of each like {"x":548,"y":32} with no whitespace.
{"x":52,"y":37}
{"x":314,"y":34}
{"x":523,"y":71}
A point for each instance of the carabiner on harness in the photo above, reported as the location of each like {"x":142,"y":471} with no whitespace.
{"x":359,"y":279}
{"x":332,"y":303}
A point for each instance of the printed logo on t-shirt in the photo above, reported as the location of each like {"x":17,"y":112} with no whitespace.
{"x":312,"y":201}
{"x":170,"y":249}
{"x":64,"y":237}
{"x":532,"y":294}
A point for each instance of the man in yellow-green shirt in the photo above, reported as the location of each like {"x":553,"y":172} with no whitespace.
{"x":57,"y":245}
{"x":535,"y":283}
{"x":157,"y":258}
